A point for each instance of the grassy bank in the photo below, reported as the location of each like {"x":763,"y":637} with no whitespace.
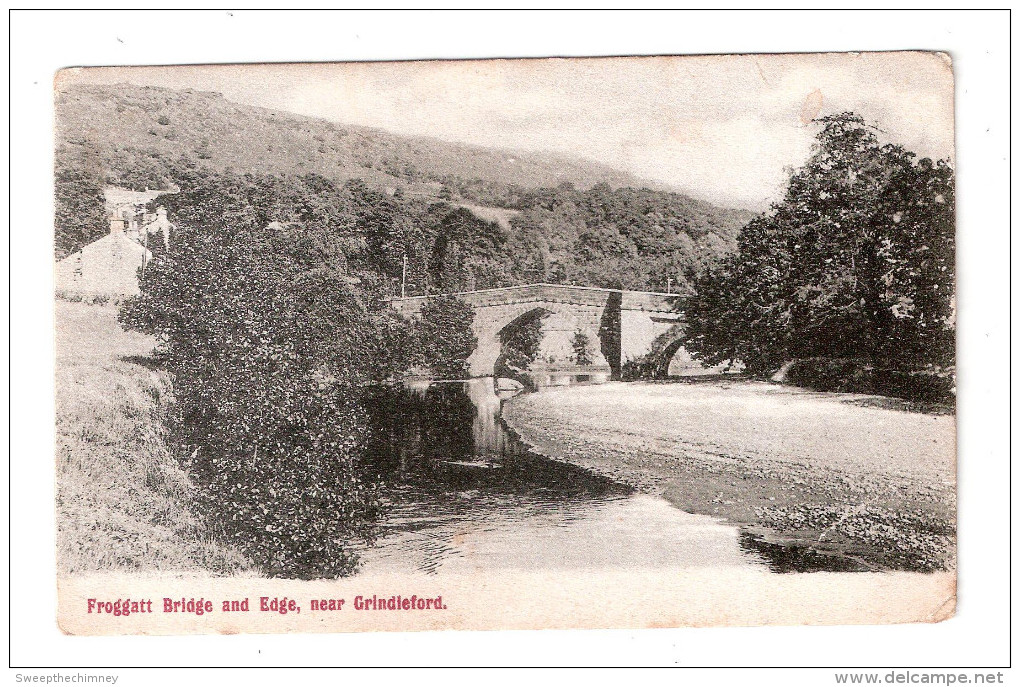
{"x":123,"y":501}
{"x":838,"y":473}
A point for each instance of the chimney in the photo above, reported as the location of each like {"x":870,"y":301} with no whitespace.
{"x":116,"y":225}
{"x":164,"y":225}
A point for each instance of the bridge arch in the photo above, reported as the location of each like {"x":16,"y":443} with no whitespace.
{"x":665,"y":358}
{"x":655,"y":363}
{"x":494,"y":325}
{"x":538,"y":312}
{"x":668,"y":349}
{"x":515,"y":347}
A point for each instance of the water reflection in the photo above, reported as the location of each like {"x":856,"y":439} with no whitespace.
{"x":464,"y":495}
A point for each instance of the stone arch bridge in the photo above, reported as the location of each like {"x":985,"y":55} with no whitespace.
{"x":630,"y":331}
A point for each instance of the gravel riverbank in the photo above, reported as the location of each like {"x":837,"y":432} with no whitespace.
{"x":804,"y":471}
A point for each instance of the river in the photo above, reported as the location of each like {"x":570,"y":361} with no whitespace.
{"x":464,"y":495}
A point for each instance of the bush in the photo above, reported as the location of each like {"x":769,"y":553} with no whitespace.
{"x":88,"y":298}
{"x":266,"y":350}
{"x":858,"y":376}
{"x":582,"y":348}
{"x":642,"y":369}
{"x":831,"y":374}
{"x":924,"y":386}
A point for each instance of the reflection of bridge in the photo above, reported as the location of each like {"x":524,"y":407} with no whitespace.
{"x":624,"y":328}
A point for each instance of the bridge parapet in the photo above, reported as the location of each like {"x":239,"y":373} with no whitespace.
{"x":552,"y":293}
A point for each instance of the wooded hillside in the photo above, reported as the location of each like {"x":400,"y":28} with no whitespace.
{"x":572,"y":221}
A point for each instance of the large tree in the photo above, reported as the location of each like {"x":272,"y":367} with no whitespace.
{"x":268,"y":309}
{"x":856,"y":261}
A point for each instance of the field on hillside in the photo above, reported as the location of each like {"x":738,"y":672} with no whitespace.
{"x":501,"y":216}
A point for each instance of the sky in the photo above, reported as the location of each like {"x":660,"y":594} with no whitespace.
{"x":722,"y":128}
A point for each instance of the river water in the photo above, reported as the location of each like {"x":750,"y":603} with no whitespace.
{"x":464,"y":495}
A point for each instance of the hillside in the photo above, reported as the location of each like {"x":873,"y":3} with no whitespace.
{"x":536,"y":217}
{"x":141,"y":131}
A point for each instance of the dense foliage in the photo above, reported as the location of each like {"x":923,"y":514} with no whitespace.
{"x":630,"y":238}
{"x":79,"y":213}
{"x":856,"y":262}
{"x":450,"y":343}
{"x":269,"y":319}
{"x":626,"y":237}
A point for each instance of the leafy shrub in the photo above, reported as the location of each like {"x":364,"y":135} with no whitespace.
{"x":641,"y":369}
{"x":858,"y":376}
{"x":265,"y":348}
{"x":88,"y":298}
{"x":831,"y":374}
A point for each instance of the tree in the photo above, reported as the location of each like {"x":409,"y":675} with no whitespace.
{"x":582,"y":348}
{"x":79,"y":204}
{"x":740,"y":311}
{"x":856,"y":262}
{"x":443,"y":337}
{"x":270,"y":336}
{"x":270,"y":315}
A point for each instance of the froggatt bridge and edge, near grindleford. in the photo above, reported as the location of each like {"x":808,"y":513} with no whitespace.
{"x":626,"y":328}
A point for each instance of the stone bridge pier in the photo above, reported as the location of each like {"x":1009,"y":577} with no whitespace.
{"x":623,"y":329}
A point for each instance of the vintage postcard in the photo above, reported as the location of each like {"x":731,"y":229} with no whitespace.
{"x":505,"y":344}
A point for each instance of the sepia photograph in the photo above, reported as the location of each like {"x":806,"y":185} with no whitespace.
{"x":603,"y":339}
{"x":609,"y":324}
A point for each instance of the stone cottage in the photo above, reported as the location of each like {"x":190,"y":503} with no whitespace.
{"x":107,"y":267}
